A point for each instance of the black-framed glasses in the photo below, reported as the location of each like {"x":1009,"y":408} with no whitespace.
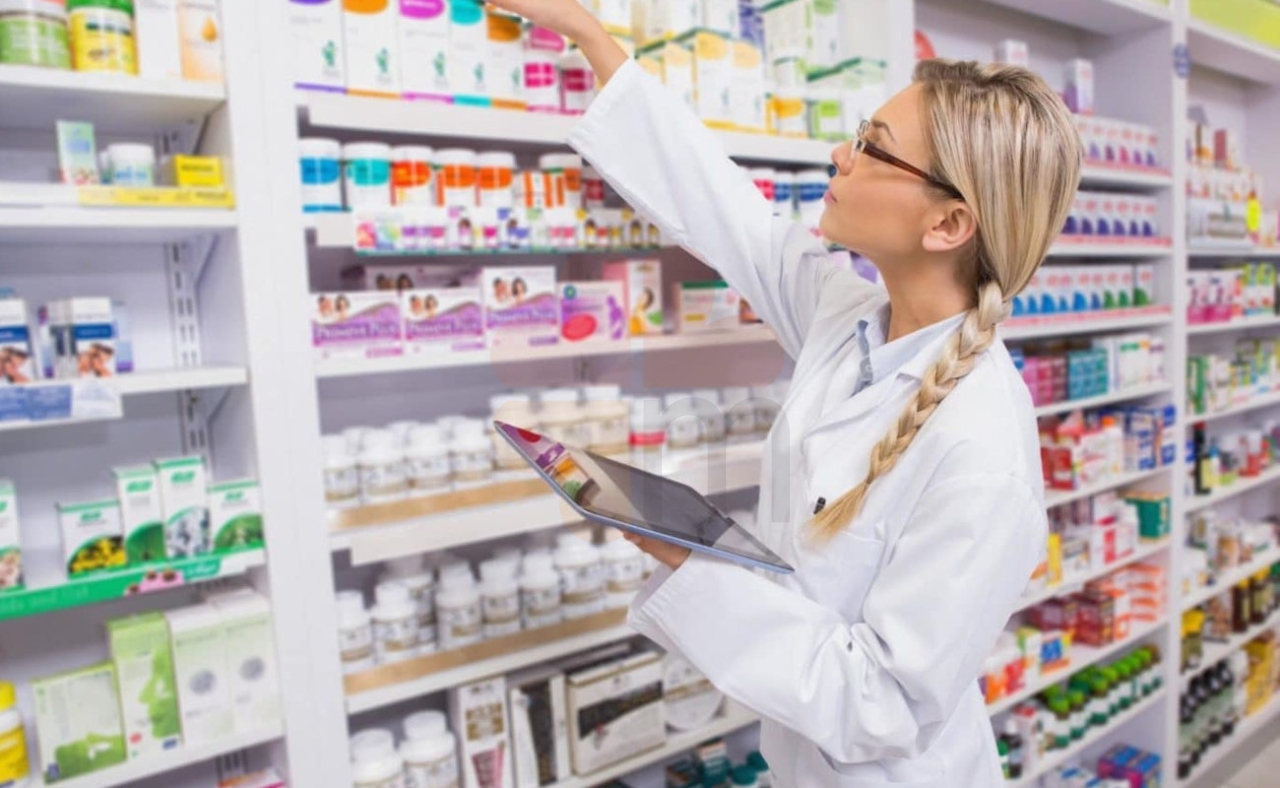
{"x":862,"y":145}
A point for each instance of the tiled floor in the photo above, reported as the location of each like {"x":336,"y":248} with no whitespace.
{"x":1262,"y":772}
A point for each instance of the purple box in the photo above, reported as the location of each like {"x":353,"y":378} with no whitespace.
{"x":356,"y":324}
{"x":521,"y":306}
{"x":442,"y":319}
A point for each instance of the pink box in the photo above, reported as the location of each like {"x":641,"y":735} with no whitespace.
{"x":442,"y":319}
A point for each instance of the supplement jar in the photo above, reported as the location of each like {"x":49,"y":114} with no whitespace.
{"x":429,"y":752}
{"x":320,"y":161}
{"x":767,"y":402}
{"x":623,"y":572}
{"x":374,"y":760}
{"x":15,"y":766}
{"x":577,"y":83}
{"x":532,"y":189}
{"x":564,"y":179}
{"x":710,"y":410}
{"x":413,"y":574}
{"x":539,"y":591}
{"x":458,"y":617}
{"x":34,"y":33}
{"x":427,"y":459}
{"x":684,"y":428}
{"x":341,"y":480}
{"x":355,"y":633}
{"x":101,"y":34}
{"x":648,"y":425}
{"x":608,"y":419}
{"x":583,"y":581}
{"x":412,"y":175}
{"x":470,"y":453}
{"x":563,"y":418}
{"x":514,"y":409}
{"x":132,"y":164}
{"x":593,"y":189}
{"x":395,"y":622}
{"x":499,"y":598}
{"x":366,"y":174}
{"x":740,"y":415}
{"x":494,"y":173}
{"x":381,"y":466}
{"x":456,"y":177}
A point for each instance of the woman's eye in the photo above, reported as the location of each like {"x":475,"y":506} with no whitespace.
{"x":832,"y":170}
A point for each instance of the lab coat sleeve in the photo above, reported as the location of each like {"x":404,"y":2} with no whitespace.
{"x":882,"y":688}
{"x":652,"y":149}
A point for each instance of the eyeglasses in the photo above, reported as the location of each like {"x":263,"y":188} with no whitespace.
{"x":862,"y":145}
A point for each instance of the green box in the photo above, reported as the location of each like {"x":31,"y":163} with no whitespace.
{"x":144,"y":669}
{"x":78,"y":722}
{"x":140,"y":513}
{"x":235,"y":514}
{"x":1257,"y":20}
{"x":92,"y":537}
{"x":1154,"y":521}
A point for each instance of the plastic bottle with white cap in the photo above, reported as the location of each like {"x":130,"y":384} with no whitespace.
{"x":412,"y":571}
{"x":540,"y":587}
{"x":499,"y":598}
{"x":739,"y":415}
{"x":374,"y":760}
{"x":341,"y":479}
{"x":562,"y":417}
{"x":684,"y":426}
{"x":623,"y":571}
{"x":427,"y":459}
{"x":395,"y":622}
{"x":710,"y":410}
{"x":767,"y":405}
{"x":355,"y":633}
{"x":458,"y":615}
{"x":582,"y":576}
{"x":517,"y":409}
{"x":608,"y":418}
{"x":429,"y":751}
{"x":381,"y":465}
{"x":470,"y":453}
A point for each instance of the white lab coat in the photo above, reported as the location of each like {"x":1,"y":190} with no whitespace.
{"x":864,"y":663}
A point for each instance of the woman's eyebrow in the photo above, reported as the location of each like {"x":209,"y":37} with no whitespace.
{"x":880,"y":125}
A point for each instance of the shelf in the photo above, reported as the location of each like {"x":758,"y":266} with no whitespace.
{"x":1052,"y":760}
{"x":1244,"y":729}
{"x":1224,"y":584}
{"x":1136,"y":392}
{"x":524,"y":129}
{"x":1253,"y":403}
{"x":36,"y":98}
{"x":732,"y":719}
{"x":1019,"y":328}
{"x":1219,"y":50}
{"x":413,"y":678}
{"x":420,"y":525}
{"x":1244,"y":324}
{"x":1195,"y":250}
{"x":1108,"y":17}
{"x":108,"y":586}
{"x":1078,"y":246}
{"x":1144,"y":551}
{"x":1081,"y":658}
{"x":150,"y":382}
{"x":1242,"y":486}
{"x":344,"y":367}
{"x":65,"y":225}
{"x":1102,"y":176}
{"x":1214,"y":652}
{"x":130,"y":772}
{"x":1054,"y":498}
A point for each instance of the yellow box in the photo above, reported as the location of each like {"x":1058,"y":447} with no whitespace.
{"x":675,"y":64}
{"x":201,"y":171}
{"x":712,"y":78}
{"x":1258,"y":20}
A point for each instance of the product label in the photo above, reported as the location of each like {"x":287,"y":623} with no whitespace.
{"x":624,"y":577}
{"x":341,"y":485}
{"x":540,"y":606}
{"x":396,"y":639}
{"x":458,"y":626}
{"x":501,"y":611}
{"x":355,"y":643}
{"x":382,"y":481}
{"x":33,"y":41}
{"x":13,"y":757}
{"x":583,"y":591}
{"x":102,"y":40}
{"x":356,"y":323}
{"x":319,"y":172}
{"x":443,"y":319}
{"x":442,"y":773}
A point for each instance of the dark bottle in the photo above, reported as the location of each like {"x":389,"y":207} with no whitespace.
{"x":1240,"y":608}
{"x":1016,"y":752}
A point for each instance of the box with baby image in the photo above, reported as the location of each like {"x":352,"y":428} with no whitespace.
{"x":444,"y":318}
{"x":10,"y":539}
{"x":17,"y":361}
{"x":362,"y":324}
{"x":184,"y":505}
{"x":521,"y":308}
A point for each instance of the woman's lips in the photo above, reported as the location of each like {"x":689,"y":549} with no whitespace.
{"x":828,"y":197}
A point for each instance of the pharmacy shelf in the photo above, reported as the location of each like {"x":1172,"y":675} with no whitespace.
{"x":48,"y":590}
{"x":414,"y":678}
{"x":420,"y":525}
{"x":1135,"y":392}
{"x":1244,"y":729}
{"x":65,"y":225}
{"x":1195,"y":251}
{"x":739,"y":337}
{"x":1052,"y":760}
{"x":1067,"y":246}
{"x":523,"y":129}
{"x":1214,"y":652}
{"x":1144,"y":551}
{"x":36,"y":98}
{"x":1251,"y":404}
{"x":1224,"y":583}
{"x":1108,"y":17}
{"x":1219,"y":50}
{"x":1021,"y":328}
{"x":1242,"y":486}
{"x":1111,"y":176}
{"x":150,"y":382}
{"x":1054,"y":498}
{"x":132,"y":771}
{"x":1081,"y":658}
{"x":733,"y":718}
{"x":1243,"y":324}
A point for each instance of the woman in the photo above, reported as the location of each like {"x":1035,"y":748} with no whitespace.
{"x":903,"y":479}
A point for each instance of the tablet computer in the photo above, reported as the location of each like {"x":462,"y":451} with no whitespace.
{"x":614,"y":493}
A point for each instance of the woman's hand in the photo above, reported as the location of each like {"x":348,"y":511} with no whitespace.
{"x":671,"y":555}
{"x":569,"y":18}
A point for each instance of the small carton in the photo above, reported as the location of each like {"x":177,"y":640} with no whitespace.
{"x":1144,"y":284}
{"x":10,"y":539}
{"x":623,"y":699}
{"x":706,"y":306}
{"x":747,"y":88}
{"x":356,"y":324}
{"x":642,"y":283}
{"x":520,"y":306}
{"x":200,"y":32}
{"x":504,"y":61}
{"x":424,"y":50}
{"x":675,"y":65}
{"x":661,"y":20}
{"x":144,"y":669}
{"x":442,"y":319}
{"x":369,"y":41}
{"x":1078,"y":94}
{"x":481,"y":717}
{"x":235,"y":516}
{"x":250,"y":651}
{"x":1226,"y":149}
{"x":198,"y":639}
{"x":203,"y":172}
{"x":77,"y":153}
{"x":17,"y":359}
{"x":141,"y":514}
{"x":592,"y":311}
{"x":78,"y":723}
{"x":184,"y":504}
{"x":1013,"y":52}
{"x":539,"y":726}
{"x":92,"y":537}
{"x":319,"y":61}
{"x":468,"y":45}
{"x":722,"y":17}
{"x":155,"y":28}
{"x":84,"y":338}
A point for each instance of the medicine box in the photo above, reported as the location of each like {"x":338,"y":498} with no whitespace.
{"x":1144,"y":283}
{"x":17,"y":359}
{"x":235,"y":516}
{"x":265,"y":779}
{"x":615,"y":711}
{"x":197,"y":636}
{"x":592,"y":311}
{"x":10,"y":539}
{"x":747,"y":88}
{"x":442,"y":319}
{"x":92,"y":537}
{"x":141,"y":514}
{"x":78,"y":724}
{"x":184,"y":505}
{"x":360,"y":324}
{"x":155,"y":28}
{"x":144,"y":670}
{"x":200,"y":34}
{"x":1013,"y":52}
{"x":642,"y":283}
{"x":504,"y":61}
{"x":84,"y":338}
{"x":1079,"y":86}
{"x":423,"y":32}
{"x":468,"y":45}
{"x":521,"y":308}
{"x":1226,"y":149}
{"x":480,"y":716}
{"x":372,"y":54}
{"x":77,"y":153}
{"x":203,"y":172}
{"x":788,"y":29}
{"x":539,"y":727}
{"x":319,"y":57}
{"x":675,"y":67}
{"x":706,"y":306}
{"x":658,"y":20}
{"x":712,"y":77}
{"x":250,"y":649}
{"x":721,"y":17}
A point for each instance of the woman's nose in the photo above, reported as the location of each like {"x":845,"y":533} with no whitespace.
{"x":841,"y":157}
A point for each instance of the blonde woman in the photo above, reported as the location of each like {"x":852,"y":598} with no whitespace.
{"x":903,"y":479}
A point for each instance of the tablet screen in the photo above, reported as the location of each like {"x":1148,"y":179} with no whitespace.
{"x":624,"y":493}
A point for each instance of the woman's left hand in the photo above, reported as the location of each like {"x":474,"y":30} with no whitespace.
{"x":671,"y":555}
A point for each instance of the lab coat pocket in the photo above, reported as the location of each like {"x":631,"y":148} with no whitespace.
{"x":839,"y":573}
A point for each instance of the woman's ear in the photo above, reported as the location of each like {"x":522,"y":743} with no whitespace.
{"x":951,"y":226}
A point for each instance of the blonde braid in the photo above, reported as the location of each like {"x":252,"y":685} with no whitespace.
{"x":958,"y":359}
